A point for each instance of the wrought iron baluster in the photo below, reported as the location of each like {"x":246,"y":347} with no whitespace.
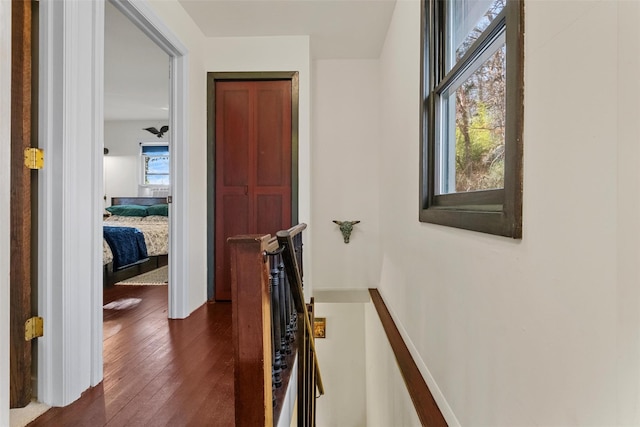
{"x":297,"y":246}
{"x":289,"y":310}
{"x":273,"y":354}
{"x":275,"y":324}
{"x":286,"y":346}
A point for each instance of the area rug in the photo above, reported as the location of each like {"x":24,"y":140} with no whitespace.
{"x":159,"y":276}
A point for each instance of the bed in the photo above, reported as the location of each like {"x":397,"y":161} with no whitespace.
{"x":138,"y":222}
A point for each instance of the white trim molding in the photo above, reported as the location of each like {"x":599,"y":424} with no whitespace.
{"x":5,"y":211}
{"x":97,"y":364}
{"x":71,"y":132}
{"x":69,"y":222}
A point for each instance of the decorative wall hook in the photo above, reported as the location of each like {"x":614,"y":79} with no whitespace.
{"x":346,"y":227}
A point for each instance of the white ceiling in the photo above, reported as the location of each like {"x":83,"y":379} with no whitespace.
{"x":136,"y":70}
{"x":337,"y":28}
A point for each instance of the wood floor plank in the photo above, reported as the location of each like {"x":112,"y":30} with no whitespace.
{"x":157,"y":371}
{"x":173,"y":378}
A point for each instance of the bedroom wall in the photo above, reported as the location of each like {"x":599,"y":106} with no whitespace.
{"x":122,"y":164}
{"x":543,"y":330}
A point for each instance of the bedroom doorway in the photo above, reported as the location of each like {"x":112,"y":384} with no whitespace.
{"x":136,"y":154}
{"x":147,"y":21}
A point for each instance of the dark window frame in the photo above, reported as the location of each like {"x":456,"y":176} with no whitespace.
{"x":498,"y":211}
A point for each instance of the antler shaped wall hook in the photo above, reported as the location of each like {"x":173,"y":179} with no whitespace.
{"x":346,"y":227}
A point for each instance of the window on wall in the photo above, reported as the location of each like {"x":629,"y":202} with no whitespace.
{"x":472,"y":109}
{"x":155,"y":164}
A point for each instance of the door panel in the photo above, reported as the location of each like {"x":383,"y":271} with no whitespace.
{"x":270,"y":213}
{"x":253,"y":163}
{"x":270,"y":147}
{"x":234,"y":126}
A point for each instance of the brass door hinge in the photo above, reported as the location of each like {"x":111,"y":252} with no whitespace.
{"x":34,"y":158}
{"x":33,"y":328}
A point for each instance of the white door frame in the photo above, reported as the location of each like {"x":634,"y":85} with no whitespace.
{"x":71,"y":133}
{"x":5,"y":190}
{"x":149,"y":23}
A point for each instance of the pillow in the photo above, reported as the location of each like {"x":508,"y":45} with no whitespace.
{"x":161,"y":209}
{"x":128,"y":210}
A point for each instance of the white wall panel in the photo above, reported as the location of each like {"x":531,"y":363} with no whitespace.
{"x":342,"y":360}
{"x":388,"y":401}
{"x":345,"y":153}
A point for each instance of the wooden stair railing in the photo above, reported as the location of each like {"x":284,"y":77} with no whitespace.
{"x":309,"y":378}
{"x":271,"y":326}
{"x":425,"y":405}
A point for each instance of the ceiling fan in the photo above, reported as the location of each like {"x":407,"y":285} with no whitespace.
{"x":159,"y":133}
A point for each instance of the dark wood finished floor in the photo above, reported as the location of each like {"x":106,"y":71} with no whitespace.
{"x":157,"y":372}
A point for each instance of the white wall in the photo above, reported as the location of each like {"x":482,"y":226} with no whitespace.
{"x":5,"y":190}
{"x":544,"y":330}
{"x":181,"y":24}
{"x":346,"y":137}
{"x":388,"y":401}
{"x":341,"y":356}
{"x":122,"y":164}
{"x":345,"y":158}
{"x":289,"y":53}
{"x":628,"y":212}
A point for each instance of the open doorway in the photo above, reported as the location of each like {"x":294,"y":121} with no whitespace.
{"x":137,"y":178}
{"x":143,"y":17}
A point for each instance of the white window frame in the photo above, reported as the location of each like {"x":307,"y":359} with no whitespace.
{"x":141,"y":175}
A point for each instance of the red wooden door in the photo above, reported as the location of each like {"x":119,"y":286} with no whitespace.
{"x":253,"y":165}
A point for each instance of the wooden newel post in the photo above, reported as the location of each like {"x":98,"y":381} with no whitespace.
{"x":252,"y":330}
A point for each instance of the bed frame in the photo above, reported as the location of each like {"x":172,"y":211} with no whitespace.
{"x":111,"y":277}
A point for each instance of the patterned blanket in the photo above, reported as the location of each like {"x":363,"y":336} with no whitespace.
{"x":127,"y":245}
